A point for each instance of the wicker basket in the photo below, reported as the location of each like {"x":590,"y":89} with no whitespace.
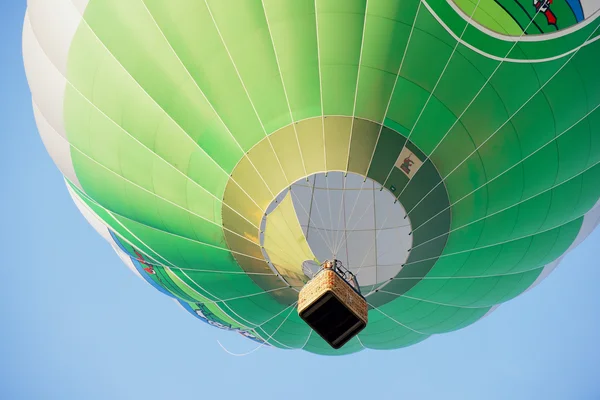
{"x":319,"y":291}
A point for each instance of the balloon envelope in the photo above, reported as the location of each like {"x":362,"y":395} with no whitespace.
{"x":446,"y":152}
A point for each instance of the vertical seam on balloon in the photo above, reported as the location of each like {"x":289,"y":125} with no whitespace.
{"x":299,"y":202}
{"x":394,"y":86}
{"x":312,"y":196}
{"x":320,"y":84}
{"x":342,"y":206}
{"x":316,"y":203}
{"x":516,"y":264}
{"x":360,"y":342}
{"x":362,"y":45}
{"x":345,"y":239}
{"x":551,"y":247}
{"x":331,"y":249}
{"x":374,"y":244}
{"x":307,"y":339}
{"x":284,"y":88}
{"x":375,"y":226}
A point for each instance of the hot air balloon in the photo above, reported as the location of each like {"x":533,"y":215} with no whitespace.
{"x":443,"y":154}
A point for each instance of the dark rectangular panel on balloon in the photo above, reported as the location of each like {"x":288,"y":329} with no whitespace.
{"x":388,"y":148}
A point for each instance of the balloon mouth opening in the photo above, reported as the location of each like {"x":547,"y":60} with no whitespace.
{"x":336,"y":215}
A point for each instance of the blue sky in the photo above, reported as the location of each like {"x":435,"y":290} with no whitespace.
{"x":77,"y":324}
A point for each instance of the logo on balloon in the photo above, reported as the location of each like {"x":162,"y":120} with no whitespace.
{"x":408,"y":162}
